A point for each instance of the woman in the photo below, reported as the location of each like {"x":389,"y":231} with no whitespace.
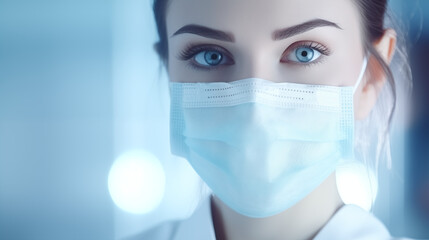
{"x":264,"y":99}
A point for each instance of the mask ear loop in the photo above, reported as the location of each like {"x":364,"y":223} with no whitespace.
{"x":362,"y":72}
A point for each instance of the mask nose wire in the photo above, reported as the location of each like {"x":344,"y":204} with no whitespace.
{"x":362,"y":72}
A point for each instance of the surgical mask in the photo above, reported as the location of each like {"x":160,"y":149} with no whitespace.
{"x":262,"y":146}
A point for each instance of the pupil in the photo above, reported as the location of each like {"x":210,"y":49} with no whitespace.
{"x":304,"y":54}
{"x":212,"y":58}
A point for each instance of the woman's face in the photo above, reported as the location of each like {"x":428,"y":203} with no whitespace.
{"x":300,"y":41}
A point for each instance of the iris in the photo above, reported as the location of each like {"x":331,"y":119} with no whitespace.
{"x":304,"y":54}
{"x":212,"y":58}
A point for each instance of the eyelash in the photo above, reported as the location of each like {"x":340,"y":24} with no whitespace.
{"x":307,"y":44}
{"x":193,"y":49}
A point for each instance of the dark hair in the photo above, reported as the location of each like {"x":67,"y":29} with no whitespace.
{"x":161,"y":47}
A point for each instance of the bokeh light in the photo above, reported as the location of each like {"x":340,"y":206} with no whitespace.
{"x":137,"y":182}
{"x":357,"y":184}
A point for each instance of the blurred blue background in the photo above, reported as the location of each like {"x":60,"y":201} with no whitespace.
{"x":80,"y":85}
{"x":56,"y":138}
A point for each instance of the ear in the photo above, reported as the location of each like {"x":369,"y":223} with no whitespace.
{"x":375,"y":76}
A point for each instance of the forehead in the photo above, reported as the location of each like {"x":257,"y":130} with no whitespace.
{"x":249,"y":19}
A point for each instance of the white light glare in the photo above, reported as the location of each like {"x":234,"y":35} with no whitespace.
{"x":137,"y":182}
{"x":356,"y":185}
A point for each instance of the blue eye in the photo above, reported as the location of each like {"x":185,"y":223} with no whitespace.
{"x":206,"y":57}
{"x":209,"y":58}
{"x":304,"y":55}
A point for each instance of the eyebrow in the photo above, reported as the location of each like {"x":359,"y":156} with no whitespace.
{"x":205,"y":32}
{"x":301,"y":28}
{"x":277,"y":35}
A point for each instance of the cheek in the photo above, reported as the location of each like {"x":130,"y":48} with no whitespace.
{"x":175,"y":70}
{"x":176,"y":73}
{"x":181,"y":71}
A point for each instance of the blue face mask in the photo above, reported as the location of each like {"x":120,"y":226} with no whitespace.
{"x":262,"y":146}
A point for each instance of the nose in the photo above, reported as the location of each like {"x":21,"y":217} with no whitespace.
{"x":256,"y":64}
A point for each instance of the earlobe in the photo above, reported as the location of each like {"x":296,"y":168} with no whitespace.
{"x":375,"y":75}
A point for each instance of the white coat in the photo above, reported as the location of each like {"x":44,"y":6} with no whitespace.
{"x":350,"y":222}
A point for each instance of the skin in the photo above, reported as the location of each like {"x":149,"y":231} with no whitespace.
{"x":254,"y":53}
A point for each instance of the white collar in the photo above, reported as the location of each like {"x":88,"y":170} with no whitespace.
{"x":349,"y":222}
{"x":353,"y":222}
{"x":199,"y":225}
